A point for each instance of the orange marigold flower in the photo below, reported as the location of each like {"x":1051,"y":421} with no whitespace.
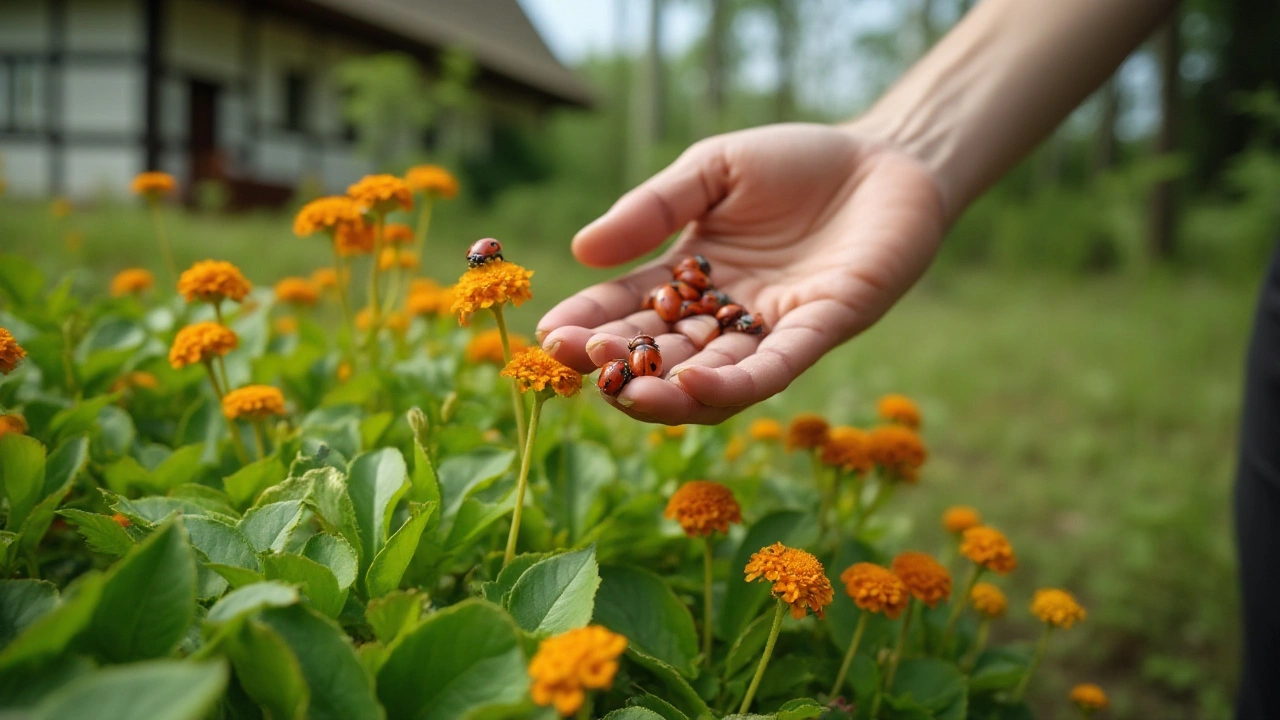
{"x":432,"y":179}
{"x":568,"y":665}
{"x":396,"y":321}
{"x":899,"y":451}
{"x":297,"y":291}
{"x":900,"y":410}
{"x":326,"y":214}
{"x":988,"y":600}
{"x":11,"y":353}
{"x":429,"y":301}
{"x":12,"y":423}
{"x":989,"y":548}
{"x":253,"y":402}
{"x":735,"y":448}
{"x":798,"y":578}
{"x":765,"y":429}
{"x":153,"y":184}
{"x":533,"y":369}
{"x":925,"y":577}
{"x":121,"y":520}
{"x":325,"y":278}
{"x":958,"y":518}
{"x":286,"y":325}
{"x":200,"y":342}
{"x":876,"y":589}
{"x":403,"y":259}
{"x":807,"y":431}
{"x":132,"y":281}
{"x":487,"y":347}
{"x":397,"y":233}
{"x":213,"y":281}
{"x":353,"y":239}
{"x":847,"y":448}
{"x":703,"y":506}
{"x":135,"y":379}
{"x":1056,"y":607}
{"x":1089,"y":697}
{"x":493,"y":283}
{"x":381,"y":193}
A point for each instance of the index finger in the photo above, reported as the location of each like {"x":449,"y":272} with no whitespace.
{"x":603,"y":303}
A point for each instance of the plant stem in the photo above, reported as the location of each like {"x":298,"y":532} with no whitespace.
{"x":764,"y":659}
{"x":517,"y":403}
{"x":848,"y":656}
{"x":258,"y":440}
{"x":222,"y":367}
{"x":958,"y":603}
{"x":231,"y":425}
{"x":340,"y":270}
{"x":884,"y":491}
{"x":523,"y":482}
{"x":166,"y":250}
{"x":979,"y":644}
{"x":375,"y":308}
{"x":1041,"y":647}
{"x":424,"y":222}
{"x":827,"y":503}
{"x":708,"y":553}
{"x":895,"y":658}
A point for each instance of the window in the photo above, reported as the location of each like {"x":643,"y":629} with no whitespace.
{"x":350,"y":133}
{"x":21,"y":95}
{"x":295,"y":102}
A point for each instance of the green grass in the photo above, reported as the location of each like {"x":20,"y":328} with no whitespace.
{"x":1092,"y":419}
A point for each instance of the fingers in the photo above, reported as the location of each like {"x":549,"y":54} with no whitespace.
{"x":603,"y":303}
{"x":640,"y":220}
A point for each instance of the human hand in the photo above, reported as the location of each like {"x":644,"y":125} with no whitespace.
{"x":817,"y":229}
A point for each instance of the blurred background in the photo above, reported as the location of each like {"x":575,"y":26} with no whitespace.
{"x":1077,"y":348}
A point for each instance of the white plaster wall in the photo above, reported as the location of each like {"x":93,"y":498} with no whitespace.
{"x":281,"y":158}
{"x":96,"y":25}
{"x":24,"y":25}
{"x":203,"y":39}
{"x":98,"y":172}
{"x":285,"y":48}
{"x":175,"y":162}
{"x":25,"y":166}
{"x":342,"y":167}
{"x":103,"y":99}
{"x":174,"y":106}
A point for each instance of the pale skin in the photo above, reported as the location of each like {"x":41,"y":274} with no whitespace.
{"x":821,"y":229}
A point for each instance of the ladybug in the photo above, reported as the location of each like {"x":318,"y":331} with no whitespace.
{"x":749,"y":323}
{"x":645,"y":357}
{"x":729,"y":314}
{"x":706,"y":305}
{"x":687,"y":291}
{"x":696,"y":279}
{"x":667,"y":303}
{"x":484,"y":250}
{"x":719,"y":297}
{"x":613,"y":377}
{"x":696,"y":262}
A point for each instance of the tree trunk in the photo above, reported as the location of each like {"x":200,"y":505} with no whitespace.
{"x":715,"y":59}
{"x":623,"y":135}
{"x":657,"y":75}
{"x":788,"y":29}
{"x":1107,"y":151}
{"x":1161,"y":229}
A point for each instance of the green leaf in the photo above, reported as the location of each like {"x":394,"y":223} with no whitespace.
{"x":664,"y":709}
{"x":340,"y":689}
{"x":160,"y":690}
{"x":679,"y":692}
{"x":394,"y":613}
{"x":496,"y":591}
{"x":316,"y":580}
{"x":268,"y":527}
{"x":470,"y":651}
{"x":743,"y":601}
{"x":425,"y":487}
{"x":64,"y":464}
{"x":80,"y":418}
{"x":633,"y":713}
{"x":462,"y":475}
{"x":251,"y":599}
{"x":335,"y":553}
{"x":54,"y":630}
{"x":474,"y":518}
{"x":936,"y":685}
{"x":148,"y":599}
{"x":577,"y":470}
{"x":268,"y":671}
{"x":22,"y":463}
{"x":556,"y":594}
{"x":183,"y":466}
{"x":746,"y":649}
{"x":236,"y":577}
{"x":375,"y":483}
{"x":221,"y":542}
{"x":20,"y":279}
{"x":126,"y":475}
{"x":22,"y":602}
{"x":246,"y":483}
{"x":638,"y":604}
{"x":21,"y":689}
{"x":326,"y":494}
{"x":388,"y":567}
{"x":998,"y":669}
{"x":800,"y":709}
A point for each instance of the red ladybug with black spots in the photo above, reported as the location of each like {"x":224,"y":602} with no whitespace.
{"x":613,"y":377}
{"x":482,"y":251}
{"x":645,"y":358}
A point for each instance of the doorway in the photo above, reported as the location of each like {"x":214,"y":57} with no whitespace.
{"x":206,"y":159}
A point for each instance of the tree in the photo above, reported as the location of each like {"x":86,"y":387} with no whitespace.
{"x":1161,"y":227}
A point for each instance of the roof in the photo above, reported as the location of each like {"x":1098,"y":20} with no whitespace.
{"x":497,"y":34}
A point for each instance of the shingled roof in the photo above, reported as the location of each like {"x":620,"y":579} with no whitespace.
{"x":497,"y":34}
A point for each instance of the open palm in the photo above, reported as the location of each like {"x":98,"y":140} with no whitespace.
{"x":816,"y":230}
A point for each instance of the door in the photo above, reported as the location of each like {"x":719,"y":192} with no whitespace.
{"x":206,"y":158}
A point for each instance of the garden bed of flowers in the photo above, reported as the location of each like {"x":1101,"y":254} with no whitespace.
{"x":223,"y":500}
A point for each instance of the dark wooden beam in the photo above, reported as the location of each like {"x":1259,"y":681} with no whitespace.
{"x":153,"y":20}
{"x":55,"y":119}
{"x":250,"y":69}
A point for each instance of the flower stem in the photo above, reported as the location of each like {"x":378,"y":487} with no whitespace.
{"x":517,"y":404}
{"x":424,"y":222}
{"x":884,"y":491}
{"x":340,"y":270}
{"x":375,"y":307}
{"x":895,"y":658}
{"x":258,"y":440}
{"x":957,"y":604}
{"x":979,"y":644}
{"x":848,"y":656}
{"x":764,"y":659}
{"x":523,"y":482}
{"x":1041,"y":647}
{"x":708,"y":553}
{"x":166,"y":250}
{"x":231,"y":425}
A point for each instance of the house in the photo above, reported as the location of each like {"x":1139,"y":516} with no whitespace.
{"x":243,"y":91}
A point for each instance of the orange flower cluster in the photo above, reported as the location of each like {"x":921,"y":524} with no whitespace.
{"x":286,"y":325}
{"x":403,"y":259}
{"x":807,"y":431}
{"x":354,"y":239}
{"x":988,"y":600}
{"x":432,"y":179}
{"x":487,"y":347}
{"x":132,"y":281}
{"x":11,"y":353}
{"x":899,"y":451}
{"x":297,"y":291}
{"x":253,"y":402}
{"x":12,"y":423}
{"x":989,"y":548}
{"x":900,"y":410}
{"x":702,"y":507}
{"x":153,"y":184}
{"x":1057,"y":608}
{"x":428,"y":298}
{"x":200,"y":342}
{"x":533,"y":369}
{"x":876,"y":589}
{"x":396,"y":322}
{"x":1089,"y":697}
{"x":847,"y":448}
{"x":765,"y":430}
{"x":798,"y":578}
{"x":325,"y":278}
{"x":327,"y":214}
{"x":493,"y":283}
{"x":135,"y":379}
{"x":568,"y":665}
{"x":958,"y":518}
{"x":213,"y":281}
{"x":926,"y":578}
{"x":381,"y":193}
{"x":397,"y":233}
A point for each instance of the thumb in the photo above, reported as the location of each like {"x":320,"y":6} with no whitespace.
{"x":640,"y":220}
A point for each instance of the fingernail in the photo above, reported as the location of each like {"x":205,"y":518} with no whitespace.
{"x":553,"y":347}
{"x":625,"y":402}
{"x":596,"y":344}
{"x":541,"y":335}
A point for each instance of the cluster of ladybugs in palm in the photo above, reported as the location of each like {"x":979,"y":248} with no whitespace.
{"x":691,"y":293}
{"x":643,"y":358}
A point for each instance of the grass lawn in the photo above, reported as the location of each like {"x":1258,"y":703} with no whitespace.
{"x":1093,"y":420}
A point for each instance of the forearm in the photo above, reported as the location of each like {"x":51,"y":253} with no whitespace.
{"x":1000,"y":81}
